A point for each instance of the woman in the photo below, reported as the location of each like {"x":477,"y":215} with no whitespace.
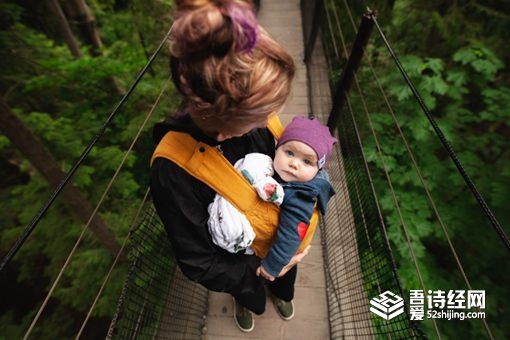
{"x":232,"y":76}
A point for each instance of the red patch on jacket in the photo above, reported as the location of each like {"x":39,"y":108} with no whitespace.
{"x":301,"y":229}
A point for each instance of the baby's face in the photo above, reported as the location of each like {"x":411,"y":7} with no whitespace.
{"x":295,"y":162}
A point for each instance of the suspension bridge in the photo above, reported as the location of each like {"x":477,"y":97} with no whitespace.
{"x":351,"y":260}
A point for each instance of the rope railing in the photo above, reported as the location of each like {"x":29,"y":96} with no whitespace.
{"x":141,"y":312}
{"x":157,"y":301}
{"x":447,"y":146}
{"x":432,"y":203}
{"x":96,"y":209}
{"x":349,"y":77}
{"x":30,"y":228}
{"x":112,"y":267}
{"x":423,"y":183}
{"x":359,"y":263}
{"x":67,"y":178}
{"x":143,"y":202}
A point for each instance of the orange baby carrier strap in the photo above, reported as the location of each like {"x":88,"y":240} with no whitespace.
{"x":207,"y":164}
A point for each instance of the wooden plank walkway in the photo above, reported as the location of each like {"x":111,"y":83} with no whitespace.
{"x":282,"y":19}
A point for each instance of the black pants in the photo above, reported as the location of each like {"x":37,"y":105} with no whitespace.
{"x":281,"y":287}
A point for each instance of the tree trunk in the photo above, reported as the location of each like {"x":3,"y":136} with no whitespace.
{"x":63,"y":27}
{"x":43,"y":161}
{"x":79,"y":13}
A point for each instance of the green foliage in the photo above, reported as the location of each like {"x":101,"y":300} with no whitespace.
{"x":478,"y":142}
{"x":455,"y":54}
{"x":481,"y":59}
{"x":78,"y":275}
{"x":64,"y":101}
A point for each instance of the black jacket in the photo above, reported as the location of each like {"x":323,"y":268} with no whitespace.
{"x":181,"y":202}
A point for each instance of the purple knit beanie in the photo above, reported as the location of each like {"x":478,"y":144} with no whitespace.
{"x":311,"y":132}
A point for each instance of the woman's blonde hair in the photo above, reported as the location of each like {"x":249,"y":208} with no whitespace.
{"x":228,"y":68}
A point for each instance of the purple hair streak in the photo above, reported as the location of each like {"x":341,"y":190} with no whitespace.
{"x":245,"y":27}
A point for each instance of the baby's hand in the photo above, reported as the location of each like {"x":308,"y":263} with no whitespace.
{"x":262,"y":272}
{"x":269,"y":190}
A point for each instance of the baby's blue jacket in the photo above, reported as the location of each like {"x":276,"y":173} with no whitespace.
{"x":295,"y":213}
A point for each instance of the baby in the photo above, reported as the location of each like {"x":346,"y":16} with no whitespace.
{"x":299,"y":184}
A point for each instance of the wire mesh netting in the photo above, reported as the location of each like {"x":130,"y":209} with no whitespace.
{"x":357,"y":256}
{"x":358,"y":261}
{"x":157,"y":301}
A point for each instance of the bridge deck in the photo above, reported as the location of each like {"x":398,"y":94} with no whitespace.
{"x":282,"y":19}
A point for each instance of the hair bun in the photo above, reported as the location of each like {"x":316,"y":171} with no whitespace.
{"x":204,"y":28}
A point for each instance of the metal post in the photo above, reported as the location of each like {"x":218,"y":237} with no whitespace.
{"x":343,"y":86}
{"x":317,"y":18}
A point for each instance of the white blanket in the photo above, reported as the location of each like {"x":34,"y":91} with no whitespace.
{"x":229,"y":228}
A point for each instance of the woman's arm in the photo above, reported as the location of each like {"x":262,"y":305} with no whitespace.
{"x":181,"y":202}
{"x":293,"y":261}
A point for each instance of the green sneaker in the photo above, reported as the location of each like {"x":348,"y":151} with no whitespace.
{"x":285,"y":309}
{"x":243,"y":317}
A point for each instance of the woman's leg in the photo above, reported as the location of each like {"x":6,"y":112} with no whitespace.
{"x":283,"y":287}
{"x":254,"y":301}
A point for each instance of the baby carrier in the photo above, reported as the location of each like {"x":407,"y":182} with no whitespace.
{"x":207,"y":164}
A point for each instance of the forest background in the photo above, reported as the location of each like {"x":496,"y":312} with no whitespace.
{"x":66,"y":65}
